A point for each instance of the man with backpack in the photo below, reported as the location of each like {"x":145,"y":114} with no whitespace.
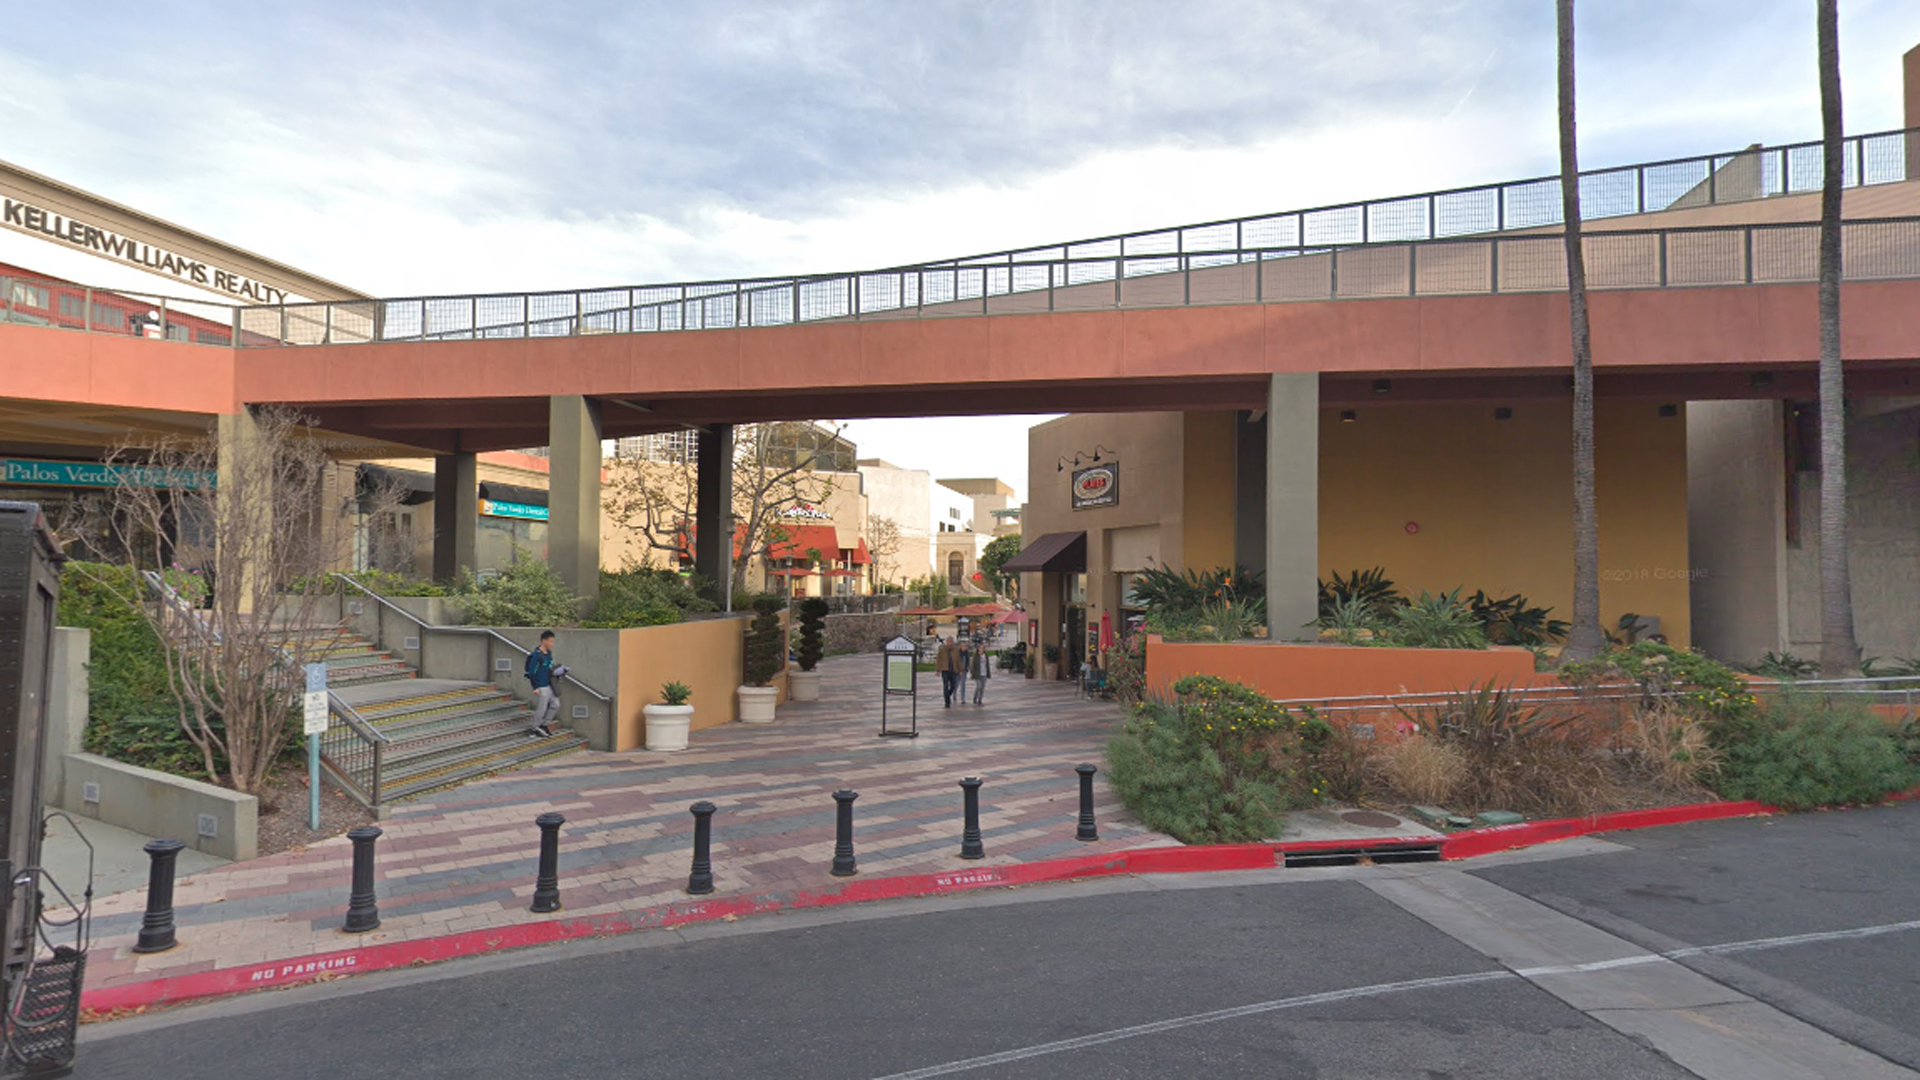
{"x":541,"y":672}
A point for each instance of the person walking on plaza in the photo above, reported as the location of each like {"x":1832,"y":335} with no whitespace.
{"x":946,"y":661}
{"x":982,"y":671}
{"x":541,"y":672}
{"x":964,"y":662}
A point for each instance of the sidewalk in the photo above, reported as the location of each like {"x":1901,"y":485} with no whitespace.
{"x":464,"y":860}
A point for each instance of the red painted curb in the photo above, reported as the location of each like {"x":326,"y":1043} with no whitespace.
{"x":1163,"y":860}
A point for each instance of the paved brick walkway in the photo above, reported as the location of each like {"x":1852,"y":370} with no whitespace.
{"x":465,"y":859}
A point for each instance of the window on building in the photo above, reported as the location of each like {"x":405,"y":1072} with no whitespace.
{"x":176,"y":332}
{"x":25,"y":295}
{"x":111,"y":317}
{"x":956,"y":570}
{"x":210,"y":337}
{"x":73,"y":307}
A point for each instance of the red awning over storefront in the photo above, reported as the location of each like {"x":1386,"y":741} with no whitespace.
{"x":804,"y":538}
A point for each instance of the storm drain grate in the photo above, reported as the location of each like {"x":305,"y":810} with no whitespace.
{"x":1381,"y":855}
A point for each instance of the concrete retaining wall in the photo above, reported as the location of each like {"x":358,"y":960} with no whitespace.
{"x":158,"y":804}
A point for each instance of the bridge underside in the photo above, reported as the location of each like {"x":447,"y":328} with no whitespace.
{"x":481,"y":424}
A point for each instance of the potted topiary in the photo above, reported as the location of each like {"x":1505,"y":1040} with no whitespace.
{"x":1052,"y":669}
{"x":804,"y":685}
{"x":765,"y":656}
{"x":669,"y":721}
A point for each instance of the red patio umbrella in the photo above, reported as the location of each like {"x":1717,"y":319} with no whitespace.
{"x":1106,"y":629}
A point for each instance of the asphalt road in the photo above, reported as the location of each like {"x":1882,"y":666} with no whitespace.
{"x":1364,"y":972}
{"x":1722,"y":883}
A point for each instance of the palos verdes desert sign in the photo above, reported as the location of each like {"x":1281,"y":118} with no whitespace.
{"x":27,"y":218}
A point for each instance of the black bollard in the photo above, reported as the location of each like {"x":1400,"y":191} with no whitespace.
{"x":970,"y":845}
{"x":156,"y":930}
{"x":1088,"y":830}
{"x":843,"y":862}
{"x":700,"y":882}
{"x":362,"y":913}
{"x":546,"y":887}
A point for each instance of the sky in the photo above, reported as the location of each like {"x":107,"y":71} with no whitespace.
{"x":434,"y":147}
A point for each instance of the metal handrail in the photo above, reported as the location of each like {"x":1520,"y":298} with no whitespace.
{"x":495,"y":634}
{"x":1550,"y":695}
{"x":1752,"y":174}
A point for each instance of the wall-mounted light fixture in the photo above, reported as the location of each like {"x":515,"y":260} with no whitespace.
{"x":1080,"y":456}
{"x":1381,"y":386}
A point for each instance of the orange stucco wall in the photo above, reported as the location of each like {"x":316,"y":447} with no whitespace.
{"x":1492,"y":501}
{"x":705,"y":654}
{"x":45,"y":364}
{"x":1290,"y":672}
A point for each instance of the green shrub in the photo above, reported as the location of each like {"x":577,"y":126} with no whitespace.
{"x":527,"y":593}
{"x":1127,"y":667}
{"x":675,"y":693}
{"x":1435,"y":621}
{"x":132,"y":715}
{"x":1799,"y":751}
{"x":1785,"y":665}
{"x":1513,"y":621}
{"x":1218,"y":765}
{"x":1215,"y":620}
{"x":644,"y":596}
{"x":1704,"y":686}
{"x":1523,"y":757}
{"x":1371,"y":590}
{"x":765,"y":643}
{"x":1175,"y":595}
{"x":813,"y":626}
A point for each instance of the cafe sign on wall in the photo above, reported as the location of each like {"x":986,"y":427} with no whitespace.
{"x":1097,"y":485}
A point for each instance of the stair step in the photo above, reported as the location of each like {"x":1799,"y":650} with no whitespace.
{"x":505,"y":758}
{"x":448,"y":740}
{"x":408,"y":729}
{"x":422,"y":704}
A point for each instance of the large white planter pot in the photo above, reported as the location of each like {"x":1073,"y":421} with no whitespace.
{"x":756,"y":704}
{"x":667,"y":726}
{"x":803,"y":686}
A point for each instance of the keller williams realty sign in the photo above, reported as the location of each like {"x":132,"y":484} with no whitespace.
{"x":38,"y":221}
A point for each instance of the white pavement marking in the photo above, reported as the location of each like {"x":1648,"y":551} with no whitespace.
{"x":1218,"y":1015}
{"x":1704,"y":1026}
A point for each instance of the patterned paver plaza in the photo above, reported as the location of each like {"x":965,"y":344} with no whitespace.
{"x":465,"y":859}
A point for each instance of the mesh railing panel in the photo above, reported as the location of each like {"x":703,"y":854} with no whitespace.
{"x":1355,"y":250}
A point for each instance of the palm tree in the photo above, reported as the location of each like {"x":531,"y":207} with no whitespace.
{"x":1839,"y":650}
{"x":1584,"y":639}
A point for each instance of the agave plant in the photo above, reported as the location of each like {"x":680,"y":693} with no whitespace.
{"x":1436,"y":621}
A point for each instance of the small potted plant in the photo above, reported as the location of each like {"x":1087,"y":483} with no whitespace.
{"x":766,"y":649}
{"x":804,"y":685}
{"x":669,"y":720}
{"x":1052,"y":669}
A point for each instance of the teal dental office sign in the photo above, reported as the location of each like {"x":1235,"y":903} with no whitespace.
{"x":95,"y":475}
{"x":523,"y":511}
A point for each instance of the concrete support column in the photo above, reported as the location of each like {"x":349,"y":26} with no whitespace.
{"x":713,"y":510}
{"x":456,"y":514}
{"x":243,"y":514}
{"x":1293,"y":505}
{"x":573,"y":492}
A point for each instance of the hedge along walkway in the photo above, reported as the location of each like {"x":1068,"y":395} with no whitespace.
{"x":466,"y":859}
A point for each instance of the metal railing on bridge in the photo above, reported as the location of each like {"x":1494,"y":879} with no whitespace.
{"x":1463,"y":241}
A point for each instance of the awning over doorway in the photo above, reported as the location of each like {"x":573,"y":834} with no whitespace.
{"x":1062,"y":551}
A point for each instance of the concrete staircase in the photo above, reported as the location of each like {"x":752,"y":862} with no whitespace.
{"x":444,"y":732}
